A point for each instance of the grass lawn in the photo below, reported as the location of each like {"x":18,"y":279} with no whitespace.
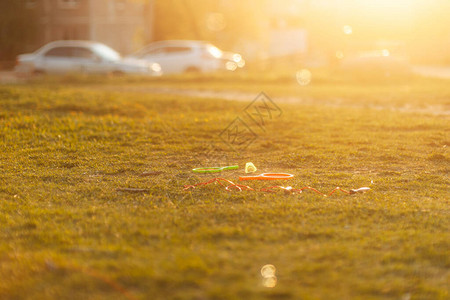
{"x":68,"y":231}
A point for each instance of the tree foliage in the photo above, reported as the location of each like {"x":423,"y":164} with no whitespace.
{"x":223,"y":22}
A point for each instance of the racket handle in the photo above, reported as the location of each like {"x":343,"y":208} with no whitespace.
{"x":360,"y":190}
{"x":231,"y":167}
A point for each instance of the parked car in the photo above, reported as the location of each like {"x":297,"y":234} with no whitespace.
{"x":178,"y":56}
{"x":375,"y":64}
{"x":81,"y":56}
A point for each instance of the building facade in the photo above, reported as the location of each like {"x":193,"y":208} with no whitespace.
{"x":125,"y":25}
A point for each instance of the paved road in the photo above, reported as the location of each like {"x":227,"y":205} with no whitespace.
{"x":427,"y":71}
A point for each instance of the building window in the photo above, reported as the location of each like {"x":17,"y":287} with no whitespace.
{"x":59,"y":52}
{"x":68,"y":3}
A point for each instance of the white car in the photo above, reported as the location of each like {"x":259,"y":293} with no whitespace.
{"x":81,"y":57}
{"x":179,"y":56}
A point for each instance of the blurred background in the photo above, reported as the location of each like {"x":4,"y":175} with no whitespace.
{"x":269,"y":34}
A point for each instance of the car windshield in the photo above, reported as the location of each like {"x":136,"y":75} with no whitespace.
{"x":106,"y":52}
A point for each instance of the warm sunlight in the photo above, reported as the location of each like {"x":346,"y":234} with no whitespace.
{"x":388,"y":6}
{"x":382,"y":11}
{"x":224,"y":149}
{"x":380,"y":19}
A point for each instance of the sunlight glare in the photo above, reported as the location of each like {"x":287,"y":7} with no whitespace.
{"x":270,"y":282}
{"x":214,"y":51}
{"x":268,"y":274}
{"x":231,"y":66}
{"x":268,"y":270}
{"x":304,"y":77}
{"x":237,"y":57}
{"x":388,"y":6}
{"x":347,"y":29}
{"x":392,"y":12}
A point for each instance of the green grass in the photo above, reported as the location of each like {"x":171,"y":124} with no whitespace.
{"x":68,"y":144}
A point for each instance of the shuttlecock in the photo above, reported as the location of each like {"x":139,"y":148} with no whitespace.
{"x":250,"y":167}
